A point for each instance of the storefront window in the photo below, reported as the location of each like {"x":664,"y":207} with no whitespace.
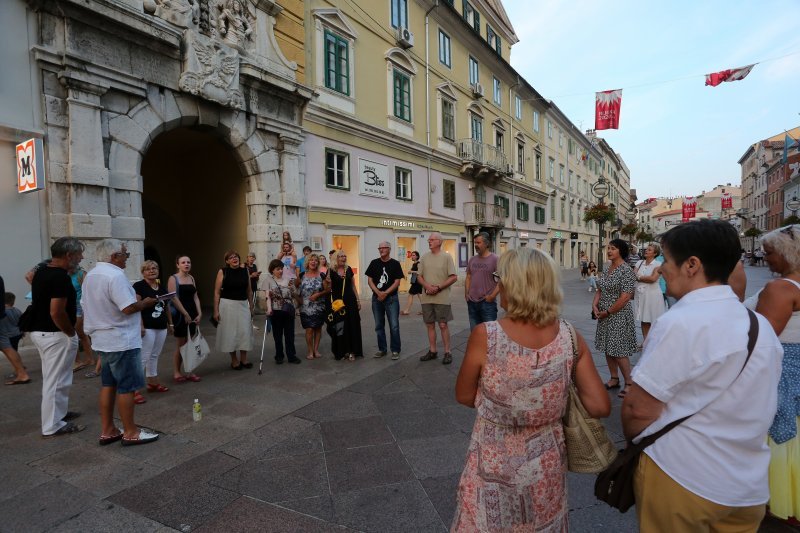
{"x":449,"y":247}
{"x":351,"y":246}
{"x":405,"y":245}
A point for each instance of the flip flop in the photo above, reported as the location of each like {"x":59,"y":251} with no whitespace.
{"x":76,"y":368}
{"x":180,"y":379}
{"x":193,"y":378}
{"x":18,"y":381}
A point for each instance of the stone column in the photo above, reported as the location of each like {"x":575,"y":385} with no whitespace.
{"x":293,"y":194}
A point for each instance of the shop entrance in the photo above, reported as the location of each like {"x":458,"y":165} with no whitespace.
{"x":193,"y":203}
{"x":351,"y":246}
{"x":404,"y":247}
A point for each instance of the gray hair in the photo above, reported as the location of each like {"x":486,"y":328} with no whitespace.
{"x":106,"y":248}
{"x":66,"y":245}
{"x":382,"y":243}
{"x":656,"y":248}
{"x":485,"y":236}
{"x":785,"y":242}
{"x":251,"y":254}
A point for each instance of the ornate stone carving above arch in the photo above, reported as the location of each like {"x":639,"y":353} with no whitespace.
{"x":401,"y":59}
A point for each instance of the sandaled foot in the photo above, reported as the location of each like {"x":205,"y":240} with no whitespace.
{"x":138,"y":399}
{"x":156,"y":387}
{"x":109,"y":439}
{"x":404,"y":313}
{"x":612,"y":383}
{"x":624,"y":391}
{"x":310,"y":356}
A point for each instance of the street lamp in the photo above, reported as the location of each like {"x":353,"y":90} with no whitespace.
{"x":599,"y":191}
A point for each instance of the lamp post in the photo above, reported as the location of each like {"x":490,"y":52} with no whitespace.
{"x":599,"y":191}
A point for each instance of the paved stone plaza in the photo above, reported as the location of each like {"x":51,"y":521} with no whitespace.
{"x":374,"y":445}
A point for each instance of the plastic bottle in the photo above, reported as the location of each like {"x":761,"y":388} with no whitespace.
{"x":197,"y":411}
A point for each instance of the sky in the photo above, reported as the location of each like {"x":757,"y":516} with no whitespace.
{"x":677,"y":136}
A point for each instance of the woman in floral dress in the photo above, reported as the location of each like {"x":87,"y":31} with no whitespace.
{"x":313,"y":289}
{"x":616,"y":325}
{"x":515,"y":373}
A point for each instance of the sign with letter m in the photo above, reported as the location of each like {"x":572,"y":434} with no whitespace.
{"x":30,"y":166}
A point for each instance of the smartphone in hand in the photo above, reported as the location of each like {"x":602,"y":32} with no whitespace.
{"x":165,"y":297}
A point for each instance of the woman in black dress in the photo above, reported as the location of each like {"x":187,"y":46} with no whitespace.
{"x":415,"y":289}
{"x":346,"y":338}
{"x":233,"y":310}
{"x":187,"y":304}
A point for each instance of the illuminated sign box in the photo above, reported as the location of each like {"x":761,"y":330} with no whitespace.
{"x":30,"y":166}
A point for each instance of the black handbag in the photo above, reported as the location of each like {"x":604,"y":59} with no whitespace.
{"x":614,"y":485}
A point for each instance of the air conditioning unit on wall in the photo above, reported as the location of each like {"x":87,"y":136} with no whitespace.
{"x":404,"y":37}
{"x":477,"y":90}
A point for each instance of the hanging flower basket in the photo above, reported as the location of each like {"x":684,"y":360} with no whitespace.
{"x":600,"y":213}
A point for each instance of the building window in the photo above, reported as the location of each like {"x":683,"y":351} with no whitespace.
{"x":444,"y":49}
{"x":520,"y":158}
{"x":549,"y":130}
{"x":538,"y":215}
{"x":561,"y":174}
{"x":563,"y":208}
{"x":449,"y":193}
{"x":571,"y":147}
{"x":518,"y":107}
{"x":473,"y":71}
{"x":569,"y":181}
{"x":560,"y":140}
{"x":476,"y":127}
{"x":496,"y":91}
{"x":337,"y":63}
{"x":448,"y":119}
{"x":503,"y":202}
{"x":337,"y":170}
{"x":536,"y":121}
{"x":552,"y":208}
{"x":494,"y":40}
{"x":551,"y":169}
{"x":498,"y":140}
{"x":402,"y":184}
{"x":571,"y":219}
{"x":522,"y":211}
{"x":399,"y":13}
{"x":472,"y":16}
{"x":538,"y":167}
{"x":402,"y":96}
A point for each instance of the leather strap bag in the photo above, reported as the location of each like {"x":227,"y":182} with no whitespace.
{"x":614,"y":485}
{"x":589,"y":449}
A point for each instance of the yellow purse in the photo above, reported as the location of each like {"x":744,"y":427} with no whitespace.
{"x":337,"y":306}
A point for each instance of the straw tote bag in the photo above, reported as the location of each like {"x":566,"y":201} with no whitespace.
{"x":589,"y":449}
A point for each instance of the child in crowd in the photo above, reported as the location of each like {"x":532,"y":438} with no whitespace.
{"x":10,"y":336}
{"x":592,"y":276}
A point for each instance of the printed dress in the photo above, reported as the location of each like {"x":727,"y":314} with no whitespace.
{"x":515,"y":478}
{"x":616,"y":335}
{"x":312,"y":313}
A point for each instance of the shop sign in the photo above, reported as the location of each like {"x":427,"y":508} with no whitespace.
{"x":406,"y":224}
{"x":374,"y":178}
{"x":523,"y":235}
{"x":30,"y":166}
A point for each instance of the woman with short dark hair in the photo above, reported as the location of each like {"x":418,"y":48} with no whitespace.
{"x":233,"y":310}
{"x":616,"y":327}
{"x":279,"y":301}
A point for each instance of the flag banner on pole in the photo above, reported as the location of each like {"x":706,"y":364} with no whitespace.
{"x":732,"y":74}
{"x":689,"y":209}
{"x":727,"y":201}
{"x":606,"y":109}
{"x":788,"y":142}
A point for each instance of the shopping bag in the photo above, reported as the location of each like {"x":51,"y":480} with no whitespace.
{"x":195,"y":351}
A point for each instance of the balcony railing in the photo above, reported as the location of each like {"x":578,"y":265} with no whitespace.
{"x":483,"y":214}
{"x":480,"y":159}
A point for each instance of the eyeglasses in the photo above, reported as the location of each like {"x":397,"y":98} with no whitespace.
{"x":496,"y":277}
{"x":788,"y":230}
{"x":384,"y":247}
{"x":126,"y":254}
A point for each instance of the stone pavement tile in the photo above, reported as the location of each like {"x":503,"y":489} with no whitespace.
{"x":169,"y":452}
{"x":403,"y":384}
{"x":443,"y":396}
{"x":419,"y":424}
{"x":431,"y":373}
{"x":258,"y":442}
{"x":436,"y":456}
{"x":44,"y":506}
{"x":307,"y":441}
{"x":341,"y":405}
{"x":368,"y":466}
{"x":213,"y":430}
{"x":24,"y":477}
{"x":105,"y":516}
{"x":400,"y":508}
{"x":442,"y":493}
{"x":462,"y":417}
{"x":580,"y":491}
{"x":278,"y":479}
{"x":31,"y":447}
{"x":181,"y":496}
{"x":318,"y":506}
{"x":402,"y":402}
{"x":246,"y":514}
{"x":367,"y":431}
{"x":98,"y":471}
{"x":377,"y":381}
{"x":602,"y":517}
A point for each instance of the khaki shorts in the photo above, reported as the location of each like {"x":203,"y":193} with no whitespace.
{"x":432,"y":313}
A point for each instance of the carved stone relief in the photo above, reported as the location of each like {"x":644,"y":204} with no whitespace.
{"x":211,"y":70}
{"x":182,"y":13}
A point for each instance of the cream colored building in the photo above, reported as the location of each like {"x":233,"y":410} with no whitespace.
{"x":419,"y":125}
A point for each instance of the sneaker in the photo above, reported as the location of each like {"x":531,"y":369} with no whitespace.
{"x":379,"y":354}
{"x":430,"y":356}
{"x":145,"y":437}
{"x":66,"y":430}
{"x":447,"y":359}
{"x":395,"y":356}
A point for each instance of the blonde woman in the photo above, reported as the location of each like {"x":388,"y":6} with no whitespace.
{"x":515,"y":373}
{"x":156,"y":322}
{"x":649,"y":299}
{"x":346,"y":334}
{"x":233,"y":296}
{"x":187,"y":304}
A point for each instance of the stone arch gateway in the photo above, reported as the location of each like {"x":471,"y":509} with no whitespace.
{"x":116,"y":74}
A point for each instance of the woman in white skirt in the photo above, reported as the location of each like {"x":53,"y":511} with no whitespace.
{"x":233,"y":310}
{"x":649,"y":299}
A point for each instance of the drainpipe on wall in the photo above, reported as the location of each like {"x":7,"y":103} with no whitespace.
{"x":511,"y":114}
{"x":428,"y":102}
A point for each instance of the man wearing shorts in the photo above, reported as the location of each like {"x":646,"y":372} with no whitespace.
{"x":436,"y":274}
{"x":111,"y":318}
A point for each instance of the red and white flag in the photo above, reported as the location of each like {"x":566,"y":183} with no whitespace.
{"x":606,"y":109}
{"x":727,"y":201}
{"x":732,"y":74}
{"x":689,"y":209}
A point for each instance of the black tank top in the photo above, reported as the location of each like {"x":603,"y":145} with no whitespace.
{"x":234,"y":283}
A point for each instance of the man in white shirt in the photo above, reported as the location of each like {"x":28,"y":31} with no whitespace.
{"x":709,"y":473}
{"x":112,"y":319}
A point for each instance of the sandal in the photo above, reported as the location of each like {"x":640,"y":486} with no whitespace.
{"x":351,"y":357}
{"x":404,"y":313}
{"x":623,"y":392}
{"x":180,"y":379}
{"x":109,"y":439}
{"x":157,"y":387}
{"x":612,"y":383}
{"x":138,"y":399}
{"x":193,"y":378}
{"x":246,"y":365}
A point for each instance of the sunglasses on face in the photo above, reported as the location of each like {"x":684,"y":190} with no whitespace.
{"x":126,"y":254}
{"x":496,"y":277}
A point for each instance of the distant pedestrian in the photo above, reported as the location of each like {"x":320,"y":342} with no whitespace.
{"x":252,"y":270}
{"x":436,"y":274}
{"x":313,"y":288}
{"x":346,"y":342}
{"x":53,"y":334}
{"x":592,"y":270}
{"x":414,"y":289}
{"x":323,"y":264}
{"x":649,"y":300}
{"x":76,"y":276}
{"x":155,"y":323}
{"x":233,"y":310}
{"x":584,"y":261}
{"x":188,"y":313}
{"x":383,"y":276}
{"x":480,"y":289}
{"x":288,"y":258}
{"x":113,"y":321}
{"x":10,"y":336}
{"x":301,"y":263}
{"x":279,"y":301}
{"x":759,"y":257}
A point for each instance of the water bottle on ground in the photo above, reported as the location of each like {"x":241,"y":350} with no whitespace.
{"x":197,"y":411}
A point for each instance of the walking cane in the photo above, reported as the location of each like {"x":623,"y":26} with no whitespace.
{"x":267,"y":326}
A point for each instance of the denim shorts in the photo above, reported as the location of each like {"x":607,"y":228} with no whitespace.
{"x":122,"y":370}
